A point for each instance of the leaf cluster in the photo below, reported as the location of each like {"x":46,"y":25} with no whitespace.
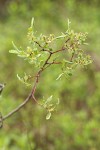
{"x":41,"y":53}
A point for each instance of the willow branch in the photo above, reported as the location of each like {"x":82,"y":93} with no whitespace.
{"x":31,"y":95}
{"x":17,"y":109}
{"x":62,"y":49}
{"x":22,"y":104}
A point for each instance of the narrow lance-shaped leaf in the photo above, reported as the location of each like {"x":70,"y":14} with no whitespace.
{"x":15,"y":46}
{"x":59,"y":77}
{"x":48,"y":116}
{"x":32,"y":22}
{"x":48,"y":100}
{"x":13,"y":51}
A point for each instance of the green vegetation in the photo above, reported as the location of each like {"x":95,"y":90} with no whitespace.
{"x":75,"y":124}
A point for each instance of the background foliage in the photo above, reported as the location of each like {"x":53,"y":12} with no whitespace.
{"x":76,"y":123}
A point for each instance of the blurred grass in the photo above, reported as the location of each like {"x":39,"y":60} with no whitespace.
{"x":76,"y":123}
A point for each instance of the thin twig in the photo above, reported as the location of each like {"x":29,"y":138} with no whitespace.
{"x":56,"y":63}
{"x":59,"y":50}
{"x":17,"y":109}
{"x":72,"y":57}
{"x":42,"y":47}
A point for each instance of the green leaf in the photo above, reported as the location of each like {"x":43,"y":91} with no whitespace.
{"x":59,"y":77}
{"x":48,"y":116}
{"x":49,"y":99}
{"x":68,"y":24}
{"x":23,"y":80}
{"x":32,"y":22}
{"x":59,"y":37}
{"x":19,"y":78}
{"x":23,"y":54}
{"x":13,"y":51}
{"x":25,"y":77}
{"x":69,"y":62}
{"x":15,"y":46}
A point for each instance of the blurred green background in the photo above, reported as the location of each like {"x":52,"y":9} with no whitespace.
{"x":76,"y":123}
